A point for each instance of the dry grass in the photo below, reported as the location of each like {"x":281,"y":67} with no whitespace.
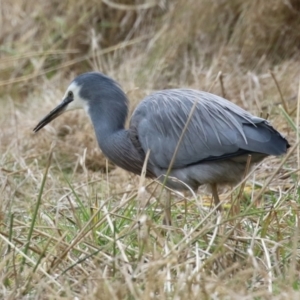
{"x":69,"y":228}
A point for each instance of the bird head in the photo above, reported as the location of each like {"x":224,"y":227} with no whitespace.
{"x":72,"y":99}
{"x":94,"y":90}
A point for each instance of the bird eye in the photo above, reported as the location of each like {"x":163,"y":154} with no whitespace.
{"x":70,"y":94}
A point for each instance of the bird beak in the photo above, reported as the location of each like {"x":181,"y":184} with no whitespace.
{"x":57,"y":111}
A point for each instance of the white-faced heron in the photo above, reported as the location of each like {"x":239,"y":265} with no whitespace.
{"x":213,"y":149}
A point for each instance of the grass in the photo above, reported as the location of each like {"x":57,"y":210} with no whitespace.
{"x":73,"y":225}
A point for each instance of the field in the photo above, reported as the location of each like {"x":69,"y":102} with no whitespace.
{"x":73,"y":226}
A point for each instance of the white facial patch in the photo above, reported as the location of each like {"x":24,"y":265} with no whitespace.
{"x":77,"y":102}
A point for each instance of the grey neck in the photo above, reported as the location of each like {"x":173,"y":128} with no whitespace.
{"x":108,"y":117}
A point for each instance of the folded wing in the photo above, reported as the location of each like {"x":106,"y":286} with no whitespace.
{"x":217,"y":129}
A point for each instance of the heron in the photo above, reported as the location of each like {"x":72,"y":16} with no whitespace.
{"x":206,"y":138}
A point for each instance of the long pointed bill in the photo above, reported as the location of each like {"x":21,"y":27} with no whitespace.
{"x":57,"y":111}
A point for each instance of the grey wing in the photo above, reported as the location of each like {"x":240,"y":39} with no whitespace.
{"x":217,"y":129}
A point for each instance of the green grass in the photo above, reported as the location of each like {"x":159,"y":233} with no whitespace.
{"x":109,"y":245}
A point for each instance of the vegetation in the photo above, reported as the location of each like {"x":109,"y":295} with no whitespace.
{"x":75,"y":227}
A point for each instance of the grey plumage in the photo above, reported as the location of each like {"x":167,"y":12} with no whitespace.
{"x":216,"y":143}
{"x":214,"y":148}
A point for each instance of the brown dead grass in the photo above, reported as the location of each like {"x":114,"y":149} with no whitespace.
{"x":44,"y":44}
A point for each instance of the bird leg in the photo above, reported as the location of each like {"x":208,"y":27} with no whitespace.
{"x":167,"y":207}
{"x":215,"y":194}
